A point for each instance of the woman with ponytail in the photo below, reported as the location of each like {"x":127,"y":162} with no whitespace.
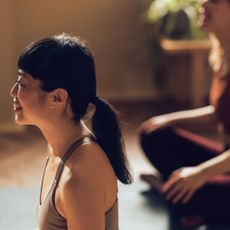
{"x":55,"y":86}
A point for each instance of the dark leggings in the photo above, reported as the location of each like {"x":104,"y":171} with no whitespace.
{"x":171,"y":149}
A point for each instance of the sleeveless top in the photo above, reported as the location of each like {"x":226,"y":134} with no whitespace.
{"x":48,"y":216}
{"x":220,"y":99}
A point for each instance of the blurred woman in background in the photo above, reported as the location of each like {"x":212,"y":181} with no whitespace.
{"x":191,"y":166}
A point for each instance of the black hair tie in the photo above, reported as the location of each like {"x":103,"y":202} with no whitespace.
{"x":95,"y":100}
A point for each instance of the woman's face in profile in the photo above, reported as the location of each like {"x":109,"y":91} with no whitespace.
{"x":28,"y":99}
{"x":215,"y":15}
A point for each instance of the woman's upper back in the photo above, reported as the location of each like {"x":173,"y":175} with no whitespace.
{"x":84,"y":193}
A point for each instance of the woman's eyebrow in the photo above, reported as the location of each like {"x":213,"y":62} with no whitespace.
{"x":21,"y":74}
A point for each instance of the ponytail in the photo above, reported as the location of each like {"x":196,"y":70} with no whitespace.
{"x":107,"y":131}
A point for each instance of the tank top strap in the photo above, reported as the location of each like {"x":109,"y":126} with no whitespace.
{"x":43,"y":176}
{"x":69,"y":152}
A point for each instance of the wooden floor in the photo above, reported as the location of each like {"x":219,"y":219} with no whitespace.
{"x":16,"y":149}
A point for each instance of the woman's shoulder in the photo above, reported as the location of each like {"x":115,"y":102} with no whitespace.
{"x":79,"y":194}
{"x":87,"y":158}
{"x":88,"y":173}
{"x":89,"y":165}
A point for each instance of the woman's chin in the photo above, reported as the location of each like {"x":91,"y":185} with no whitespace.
{"x":20,"y":121}
{"x":205,"y":27}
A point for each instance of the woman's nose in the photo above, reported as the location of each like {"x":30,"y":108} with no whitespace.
{"x":203,"y":6}
{"x":14,"y":90}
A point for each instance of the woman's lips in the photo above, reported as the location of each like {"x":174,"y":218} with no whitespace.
{"x":17,"y":108}
{"x":203,"y":18}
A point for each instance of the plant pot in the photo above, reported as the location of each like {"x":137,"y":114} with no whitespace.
{"x":175,"y":25}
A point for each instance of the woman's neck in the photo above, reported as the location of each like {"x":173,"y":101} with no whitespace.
{"x":60,"y":136}
{"x":224,"y":39}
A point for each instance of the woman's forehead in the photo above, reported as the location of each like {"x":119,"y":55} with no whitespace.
{"x":23,"y":74}
{"x":27,"y":77}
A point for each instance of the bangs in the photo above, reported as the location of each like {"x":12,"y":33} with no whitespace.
{"x":34,"y":59}
{"x":38,"y":61}
{"x":52,"y":59}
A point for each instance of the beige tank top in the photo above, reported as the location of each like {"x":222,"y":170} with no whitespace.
{"x":48,"y":216}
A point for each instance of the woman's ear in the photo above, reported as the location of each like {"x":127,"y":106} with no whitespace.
{"x":58,"y":97}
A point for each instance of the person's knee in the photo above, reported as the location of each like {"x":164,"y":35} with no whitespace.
{"x":156,"y":138}
{"x":145,"y":140}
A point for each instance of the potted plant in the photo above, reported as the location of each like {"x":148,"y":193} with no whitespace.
{"x":175,"y":19}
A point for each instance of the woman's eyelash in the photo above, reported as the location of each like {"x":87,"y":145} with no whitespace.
{"x":18,"y":82}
